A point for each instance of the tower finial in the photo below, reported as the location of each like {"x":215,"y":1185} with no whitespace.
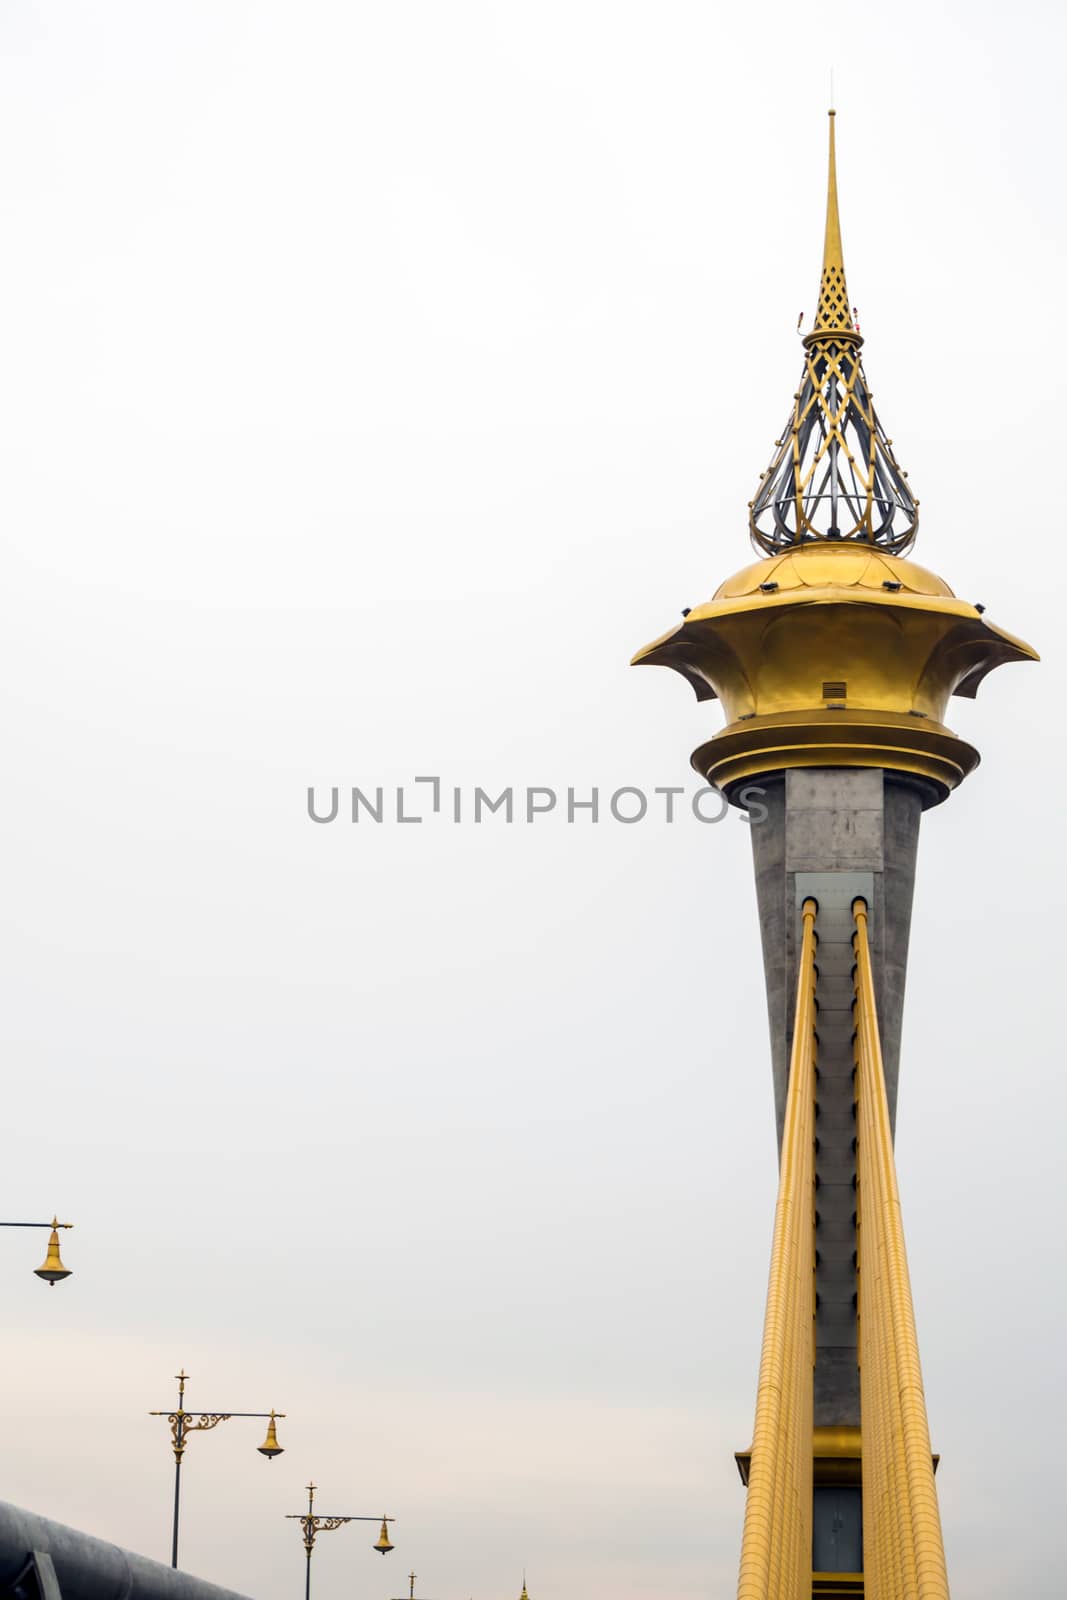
{"x":833,"y":314}
{"x":833,"y":474}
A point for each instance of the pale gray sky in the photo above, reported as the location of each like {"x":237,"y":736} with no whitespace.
{"x":376,"y":378}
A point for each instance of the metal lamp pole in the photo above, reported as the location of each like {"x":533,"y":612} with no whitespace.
{"x":312,"y":1525}
{"x":181,"y":1425}
{"x":51,"y":1269}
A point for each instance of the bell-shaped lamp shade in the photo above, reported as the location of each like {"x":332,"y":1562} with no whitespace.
{"x":52,"y":1269}
{"x":384,"y":1544}
{"x":270,"y":1446}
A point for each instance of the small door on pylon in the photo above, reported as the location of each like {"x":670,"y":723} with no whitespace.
{"x":837,"y":1529}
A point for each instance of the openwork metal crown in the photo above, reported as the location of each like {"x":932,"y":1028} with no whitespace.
{"x":833,"y":474}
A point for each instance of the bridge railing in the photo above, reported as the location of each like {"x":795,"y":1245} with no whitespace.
{"x":45,"y":1560}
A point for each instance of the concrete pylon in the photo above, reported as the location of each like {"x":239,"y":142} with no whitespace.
{"x":835,"y":660}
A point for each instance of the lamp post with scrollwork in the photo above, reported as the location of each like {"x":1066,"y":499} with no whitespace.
{"x":182,"y":1425}
{"x":313,"y":1523}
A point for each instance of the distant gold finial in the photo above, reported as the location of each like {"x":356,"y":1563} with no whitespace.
{"x":833,"y":314}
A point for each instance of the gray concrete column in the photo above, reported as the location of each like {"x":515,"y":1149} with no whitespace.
{"x":835,"y":833}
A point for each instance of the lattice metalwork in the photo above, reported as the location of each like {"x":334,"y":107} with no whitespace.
{"x":834,"y":474}
{"x":834,"y":312}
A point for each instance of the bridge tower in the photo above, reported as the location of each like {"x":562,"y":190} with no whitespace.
{"x":835,"y":657}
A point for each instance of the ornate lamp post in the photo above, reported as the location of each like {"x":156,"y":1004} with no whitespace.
{"x":313,"y":1524}
{"x":181,"y":1425}
{"x":51,"y":1269}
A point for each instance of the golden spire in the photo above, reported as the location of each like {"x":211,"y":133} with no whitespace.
{"x":833,"y":314}
{"x":833,"y":474}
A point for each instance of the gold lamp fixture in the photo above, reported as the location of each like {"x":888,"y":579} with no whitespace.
{"x":384,"y":1544}
{"x":51,"y":1270}
{"x":270,"y":1446}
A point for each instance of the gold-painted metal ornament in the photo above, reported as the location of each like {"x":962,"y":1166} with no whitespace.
{"x":52,"y":1269}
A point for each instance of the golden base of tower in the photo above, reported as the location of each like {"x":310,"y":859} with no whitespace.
{"x":837,"y":738}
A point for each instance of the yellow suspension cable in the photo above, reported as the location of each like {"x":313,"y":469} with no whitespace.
{"x":903,"y":1551}
{"x":776,"y":1543}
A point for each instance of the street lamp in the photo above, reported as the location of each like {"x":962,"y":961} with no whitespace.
{"x":313,"y":1525}
{"x":51,"y":1269}
{"x":181,"y":1425}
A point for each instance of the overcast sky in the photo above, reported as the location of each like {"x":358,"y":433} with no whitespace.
{"x":374,"y":380}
